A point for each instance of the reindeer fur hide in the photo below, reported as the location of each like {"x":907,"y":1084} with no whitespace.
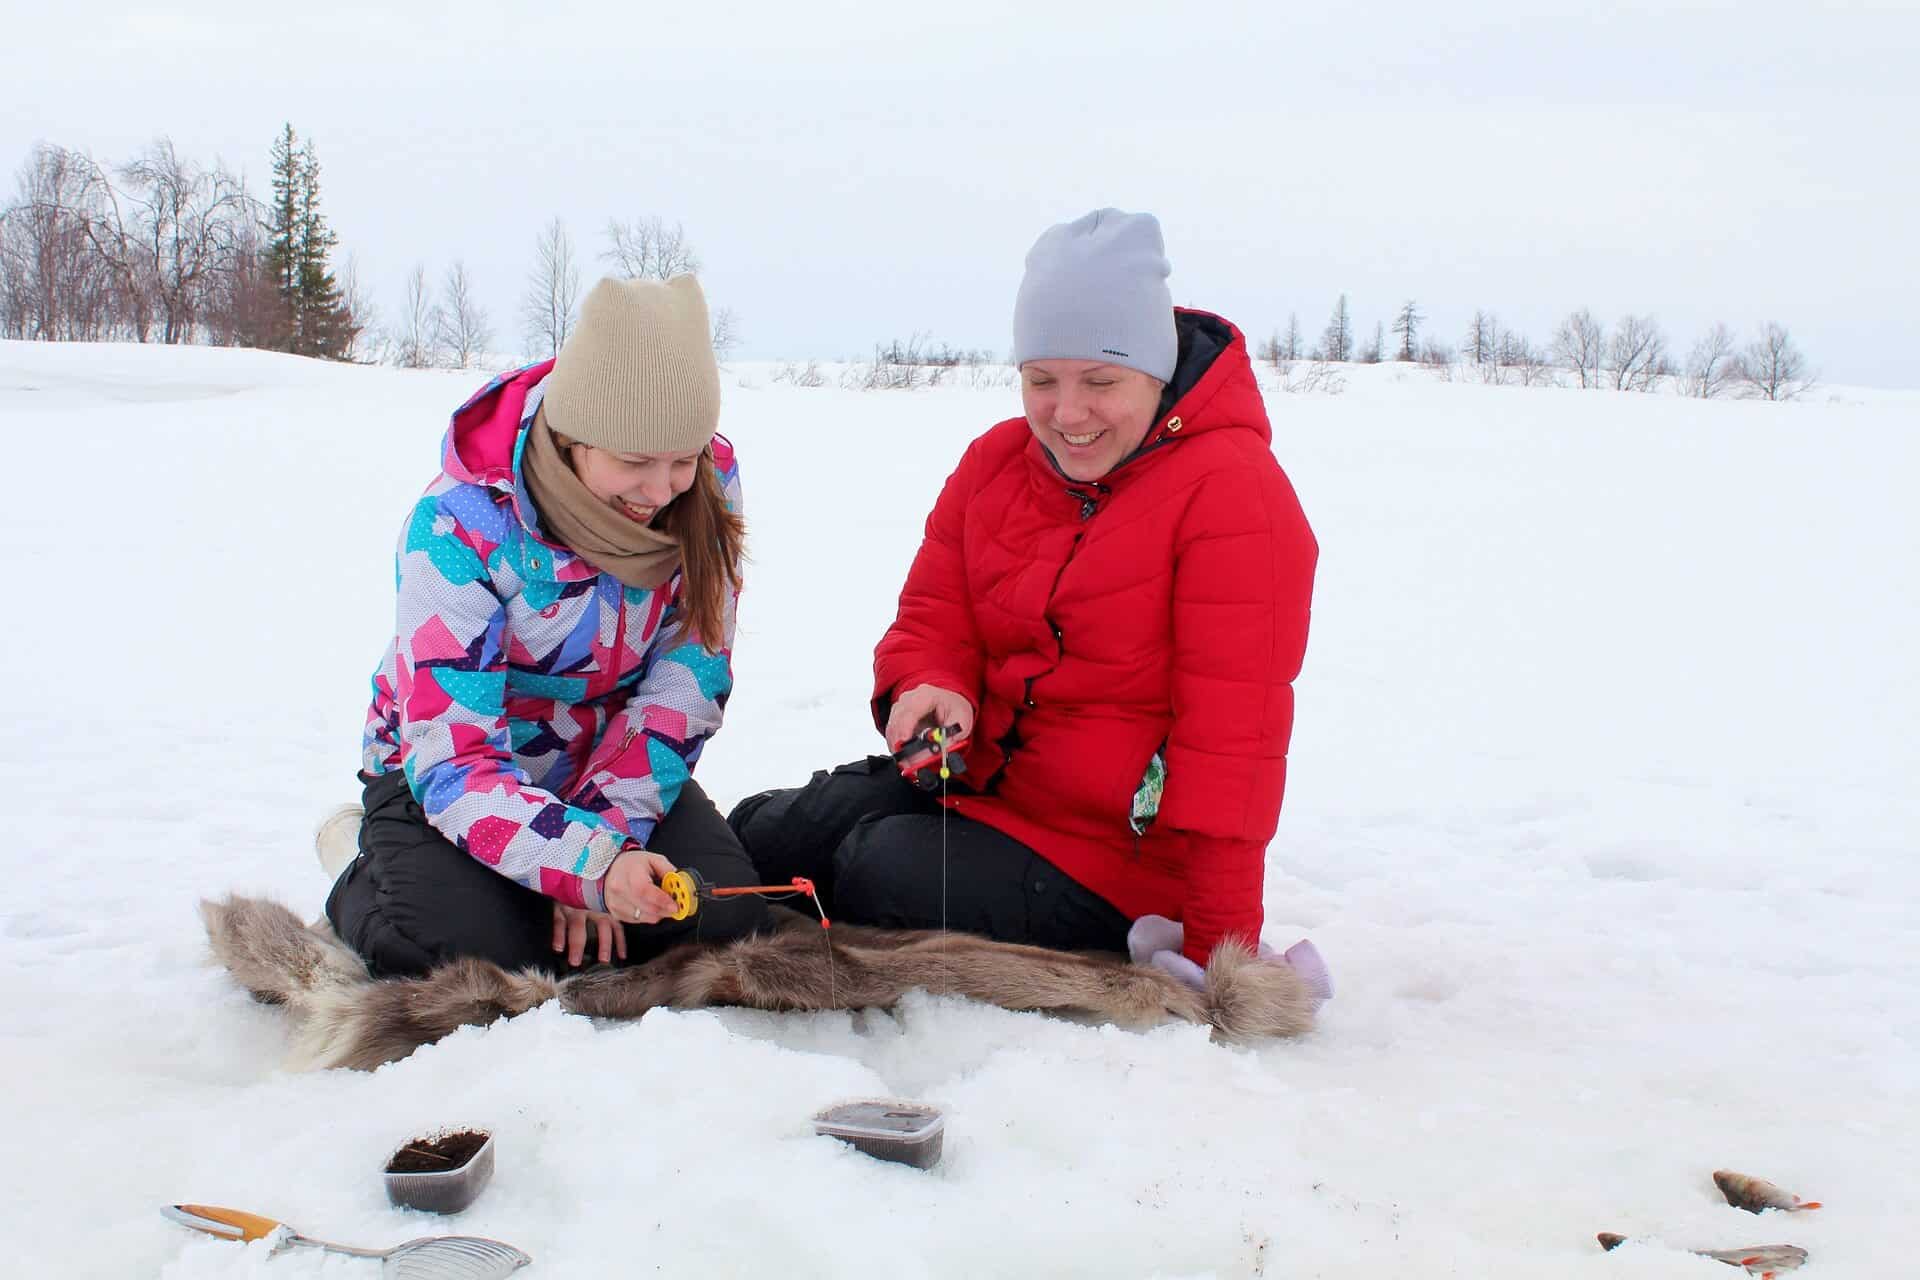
{"x":344,"y":1018}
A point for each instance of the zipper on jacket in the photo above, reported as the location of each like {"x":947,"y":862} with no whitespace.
{"x":619,"y":638}
{"x":1089,"y":503}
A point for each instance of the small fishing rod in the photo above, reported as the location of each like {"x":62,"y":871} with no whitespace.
{"x":929,"y":759}
{"x":688,"y":889}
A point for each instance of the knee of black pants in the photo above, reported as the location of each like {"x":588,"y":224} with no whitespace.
{"x":413,"y":900}
{"x":795,"y":832}
{"x":351,"y":911}
{"x":741,"y":817}
{"x":401,"y":927}
{"x":878,"y":881}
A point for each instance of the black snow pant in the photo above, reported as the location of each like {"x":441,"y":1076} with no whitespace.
{"x":413,"y":900}
{"x":871,"y":843}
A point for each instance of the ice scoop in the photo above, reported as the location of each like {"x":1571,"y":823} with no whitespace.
{"x":428,"y":1258}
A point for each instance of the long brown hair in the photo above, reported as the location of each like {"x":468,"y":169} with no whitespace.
{"x":713,"y":542}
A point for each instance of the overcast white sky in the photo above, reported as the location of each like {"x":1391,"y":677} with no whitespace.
{"x":854,"y":172}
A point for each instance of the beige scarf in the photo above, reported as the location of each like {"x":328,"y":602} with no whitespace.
{"x":637,"y":554}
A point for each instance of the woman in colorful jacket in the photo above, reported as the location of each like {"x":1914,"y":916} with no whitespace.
{"x":1110,"y":603}
{"x":563,"y":651}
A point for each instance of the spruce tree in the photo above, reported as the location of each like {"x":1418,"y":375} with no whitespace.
{"x":320,"y":318}
{"x":280,"y":260}
{"x":312,"y":316}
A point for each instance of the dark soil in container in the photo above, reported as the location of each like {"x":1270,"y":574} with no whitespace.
{"x":437,"y":1155}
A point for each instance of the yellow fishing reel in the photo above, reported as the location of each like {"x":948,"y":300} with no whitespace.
{"x":684,"y":888}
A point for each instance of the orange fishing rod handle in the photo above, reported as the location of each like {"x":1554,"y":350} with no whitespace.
{"x":251,"y":1226}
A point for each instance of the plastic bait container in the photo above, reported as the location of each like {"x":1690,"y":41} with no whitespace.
{"x":442,"y":1172}
{"x":908,"y":1133}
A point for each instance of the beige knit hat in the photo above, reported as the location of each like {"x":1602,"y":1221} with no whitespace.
{"x":637,"y":374}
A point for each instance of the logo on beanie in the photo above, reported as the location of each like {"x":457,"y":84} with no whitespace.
{"x":1109,"y":351}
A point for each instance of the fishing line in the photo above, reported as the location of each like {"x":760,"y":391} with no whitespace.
{"x":945,"y":775}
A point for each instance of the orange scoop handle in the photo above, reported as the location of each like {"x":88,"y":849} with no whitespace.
{"x":228,"y":1224}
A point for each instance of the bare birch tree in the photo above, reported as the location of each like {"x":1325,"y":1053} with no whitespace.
{"x":1375,"y":351}
{"x":1773,"y":367}
{"x":1534,"y":366}
{"x":553,"y":291}
{"x":1407,"y":325}
{"x":185,"y":221}
{"x":417,"y":332}
{"x":1273,"y":353}
{"x":117,"y":249}
{"x":1578,"y":344}
{"x":366,"y":337}
{"x":1482,"y":335}
{"x":1637,"y":354}
{"x":1712,"y":368}
{"x":243,"y":305}
{"x":648,"y":249}
{"x":726,"y":332}
{"x":461,"y":326}
{"x":57,"y":288}
{"x":1514,"y":360}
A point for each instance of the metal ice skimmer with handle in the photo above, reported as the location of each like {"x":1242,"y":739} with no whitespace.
{"x":428,"y":1258}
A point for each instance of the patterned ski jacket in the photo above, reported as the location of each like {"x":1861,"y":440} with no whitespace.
{"x":1158,"y":613}
{"x":546,"y":715}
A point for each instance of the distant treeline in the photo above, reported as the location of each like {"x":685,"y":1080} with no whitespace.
{"x":162,"y":249}
{"x":1633,"y":356}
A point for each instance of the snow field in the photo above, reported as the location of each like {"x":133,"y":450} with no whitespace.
{"x":1602,"y":810}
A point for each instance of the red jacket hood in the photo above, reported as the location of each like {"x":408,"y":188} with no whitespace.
{"x":1213,"y":386}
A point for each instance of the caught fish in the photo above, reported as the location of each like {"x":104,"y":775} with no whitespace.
{"x":1757,"y":1195}
{"x":1763,"y":1260}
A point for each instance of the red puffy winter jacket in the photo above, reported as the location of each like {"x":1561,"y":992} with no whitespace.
{"x":1162,"y":608}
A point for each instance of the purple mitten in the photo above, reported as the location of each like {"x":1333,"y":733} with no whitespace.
{"x":1173,"y":963}
{"x":1154,"y":933}
{"x":1312,"y":968}
{"x":1156,"y":941}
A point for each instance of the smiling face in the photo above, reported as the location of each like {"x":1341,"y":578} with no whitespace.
{"x":636,"y":485}
{"x":1089,"y":416}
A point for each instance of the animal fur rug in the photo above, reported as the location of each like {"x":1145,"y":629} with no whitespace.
{"x":344,"y":1018}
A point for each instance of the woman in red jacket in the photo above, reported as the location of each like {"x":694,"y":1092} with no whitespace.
{"x":1111,"y":605}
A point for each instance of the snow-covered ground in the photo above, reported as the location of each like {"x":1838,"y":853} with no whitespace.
{"x":1603,"y":808}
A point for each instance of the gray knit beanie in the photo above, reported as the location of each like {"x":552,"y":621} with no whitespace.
{"x":637,"y":374}
{"x":1096,"y":289}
